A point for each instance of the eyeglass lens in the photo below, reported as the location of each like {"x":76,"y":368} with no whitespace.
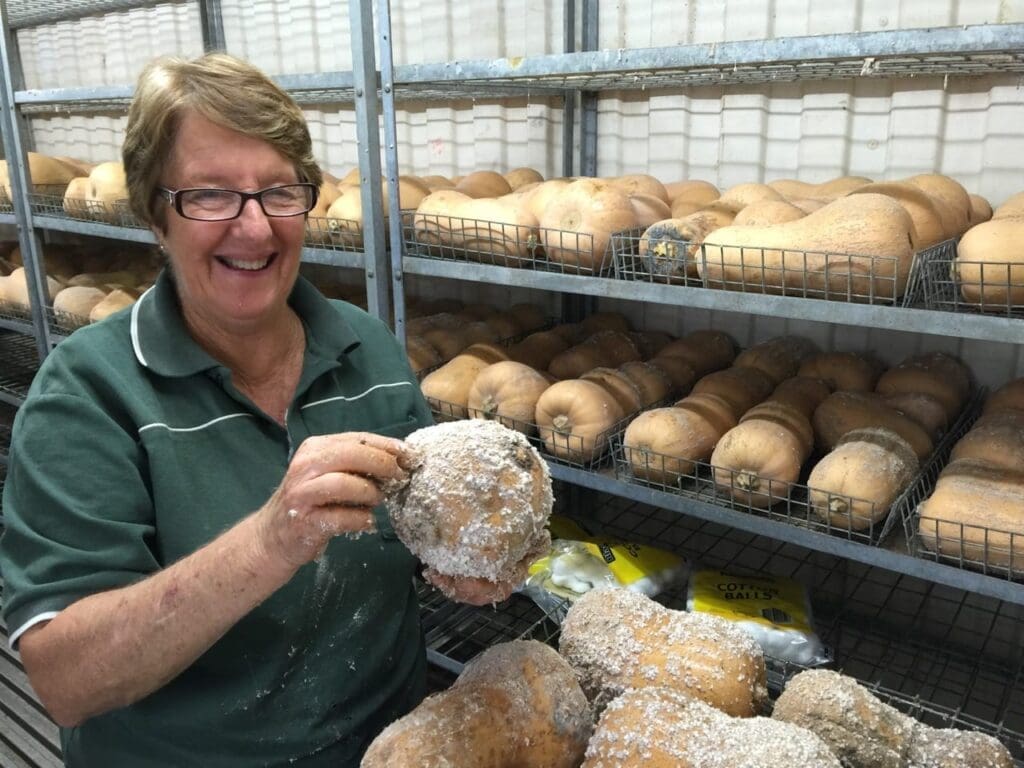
{"x":212,"y":204}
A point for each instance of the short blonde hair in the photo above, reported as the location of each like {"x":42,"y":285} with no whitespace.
{"x":223,"y":89}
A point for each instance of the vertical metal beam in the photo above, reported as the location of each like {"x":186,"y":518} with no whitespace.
{"x":20,"y":184}
{"x":569,"y":97}
{"x":364,"y":77}
{"x":212,"y":25}
{"x":387,"y":97}
{"x":588,"y":99}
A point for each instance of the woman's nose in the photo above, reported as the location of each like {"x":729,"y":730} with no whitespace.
{"x":253,"y":220}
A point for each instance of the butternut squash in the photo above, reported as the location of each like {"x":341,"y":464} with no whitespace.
{"x":448,"y":387}
{"x":577,"y":360}
{"x":421,"y":353}
{"x":74,"y":197}
{"x":829,"y":190}
{"x":653,"y":383}
{"x":801,"y":392}
{"x":853,"y":487}
{"x":538,"y":198}
{"x":950,"y":192}
{"x":113,"y":302}
{"x":777,"y":358}
{"x":647,"y":209}
{"x":483,"y":184}
{"x":787,"y":416}
{"x":49,"y":176}
{"x":706,"y":351}
{"x":649,"y":342}
{"x":668,"y":249}
{"x":936,"y":373}
{"x":77,"y":301}
{"x":530,"y":317}
{"x":981,"y":210}
{"x":520,"y":177}
{"x":741,"y":387}
{"x":662,"y":445}
{"x":435,"y":182}
{"x":693,"y":190}
{"x":618,"y":385}
{"x":829,"y":253}
{"x":976,"y":514}
{"x":742,"y":195}
{"x":640,"y":184}
{"x":999,"y":444}
{"x":923,"y":408}
{"x":604,"y":321}
{"x":843,"y":412}
{"x":929,"y":228}
{"x":764,"y":212}
{"x":487,"y":351}
{"x":757,"y":461}
{"x":576,"y":419}
{"x":538,"y":349}
{"x":714,"y":409}
{"x":494,"y":231}
{"x":1012,"y":207}
{"x":507,"y":392}
{"x":842,"y":371}
{"x":989,"y":264}
{"x":1008,"y":396}
{"x":577,"y":227}
{"x":679,"y":372}
{"x":616,"y":346}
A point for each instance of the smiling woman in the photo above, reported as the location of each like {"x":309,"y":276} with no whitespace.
{"x":159,"y":576}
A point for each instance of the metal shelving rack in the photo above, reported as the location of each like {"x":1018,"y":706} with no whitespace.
{"x":945,"y":691}
{"x":969,"y":674}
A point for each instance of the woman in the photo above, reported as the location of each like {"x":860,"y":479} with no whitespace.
{"x":196,"y":568}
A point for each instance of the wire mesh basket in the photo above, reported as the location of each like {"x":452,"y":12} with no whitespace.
{"x":115,"y":212}
{"x":506,"y":244}
{"x":993,"y":551}
{"x":49,"y":191}
{"x":850,"y":277}
{"x":335,"y":234}
{"x":638,"y":256}
{"x":949,"y":284}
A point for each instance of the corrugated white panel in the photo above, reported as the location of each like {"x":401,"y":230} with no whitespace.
{"x":643,"y":23}
{"x":967,"y":128}
{"x":109,"y":49}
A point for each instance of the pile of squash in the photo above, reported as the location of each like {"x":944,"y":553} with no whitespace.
{"x":782,"y":414}
{"x":571,"y":386}
{"x":975,"y":515}
{"x":84,"y":283}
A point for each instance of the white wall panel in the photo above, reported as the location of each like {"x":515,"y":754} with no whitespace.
{"x":108,"y":49}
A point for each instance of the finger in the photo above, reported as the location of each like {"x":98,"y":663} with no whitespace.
{"x":347,"y":456}
{"x":340,"y":489}
{"x":338,"y":519}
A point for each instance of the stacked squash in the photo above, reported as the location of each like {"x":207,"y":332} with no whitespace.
{"x":976,"y":512}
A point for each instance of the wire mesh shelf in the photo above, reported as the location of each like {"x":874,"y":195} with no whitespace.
{"x":791,"y":503}
{"x":506,"y":244}
{"x":950,"y":284}
{"x":21,"y":361}
{"x":335,"y":234}
{"x":654,"y":259}
{"x":946,"y":657}
{"x":45,"y":191}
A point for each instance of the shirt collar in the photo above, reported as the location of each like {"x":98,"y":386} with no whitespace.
{"x":162,"y":343}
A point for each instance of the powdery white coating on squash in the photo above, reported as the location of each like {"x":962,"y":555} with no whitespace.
{"x":476,"y":502}
{"x":864,"y":732}
{"x":662,"y":728}
{"x":617,"y":639}
{"x":516,"y":704}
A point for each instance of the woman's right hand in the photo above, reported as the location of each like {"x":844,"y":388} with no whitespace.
{"x":331,"y":487}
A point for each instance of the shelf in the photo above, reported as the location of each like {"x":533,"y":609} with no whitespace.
{"x":968,"y":326}
{"x":945,"y":656}
{"x":895,"y":559}
{"x":941,"y":51}
{"x":20,"y":363}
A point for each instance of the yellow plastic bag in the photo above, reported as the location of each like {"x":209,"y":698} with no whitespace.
{"x":774,"y":610}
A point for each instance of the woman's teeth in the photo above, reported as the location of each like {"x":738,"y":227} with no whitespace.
{"x":252,"y":266}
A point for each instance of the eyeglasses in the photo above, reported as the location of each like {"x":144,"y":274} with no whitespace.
{"x":208,"y":204}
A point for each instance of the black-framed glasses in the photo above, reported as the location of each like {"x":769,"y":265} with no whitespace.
{"x":210,"y":204}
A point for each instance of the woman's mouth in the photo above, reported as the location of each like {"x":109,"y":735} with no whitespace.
{"x":246,"y":265}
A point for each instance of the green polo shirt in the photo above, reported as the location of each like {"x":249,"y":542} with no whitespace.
{"x":132,"y":450}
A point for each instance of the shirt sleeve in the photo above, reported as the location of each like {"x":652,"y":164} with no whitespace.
{"x":78,"y":517}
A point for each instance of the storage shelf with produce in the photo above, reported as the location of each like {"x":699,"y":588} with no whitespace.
{"x":20,"y":363}
{"x":948,"y":657}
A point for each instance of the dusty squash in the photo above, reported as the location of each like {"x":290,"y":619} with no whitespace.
{"x":652,"y":382}
{"x":450,"y":384}
{"x":669,"y":249}
{"x":989,"y":264}
{"x":801,"y":392}
{"x":842,"y":371}
{"x":1000,"y":444}
{"x":777,"y":358}
{"x":538,"y":349}
{"x":575,"y":361}
{"x":741,"y":387}
{"x":937,"y":374}
{"x":854,"y":485}
{"x":843,"y":412}
{"x":577,"y":227}
{"x":976,"y":513}
{"x":706,"y":351}
{"x":679,"y":372}
{"x":757,"y":461}
{"x":619,"y":386}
